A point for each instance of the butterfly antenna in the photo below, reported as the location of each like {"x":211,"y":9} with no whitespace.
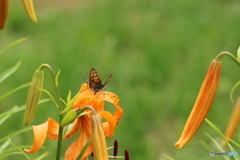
{"x":105,"y":83}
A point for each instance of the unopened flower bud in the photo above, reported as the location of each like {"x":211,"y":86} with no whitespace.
{"x":28,"y":4}
{"x":69,"y":118}
{"x":4,"y":6}
{"x":34,"y":95}
{"x":98,"y":139}
{"x":203,"y":103}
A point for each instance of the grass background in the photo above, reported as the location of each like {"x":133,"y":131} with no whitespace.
{"x":157,"y":50}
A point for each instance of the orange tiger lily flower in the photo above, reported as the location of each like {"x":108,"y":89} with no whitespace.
{"x":50,"y":128}
{"x":233,"y":123}
{"x":203,"y":103}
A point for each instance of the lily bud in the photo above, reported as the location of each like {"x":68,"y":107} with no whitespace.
{"x":34,"y":95}
{"x":28,"y":4}
{"x":69,"y":118}
{"x":98,"y":139}
{"x":233,"y":123}
{"x":4,"y":6}
{"x":203,"y":103}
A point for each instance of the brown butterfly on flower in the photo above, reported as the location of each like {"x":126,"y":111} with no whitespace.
{"x":94,"y":81}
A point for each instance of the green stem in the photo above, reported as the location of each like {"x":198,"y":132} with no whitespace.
{"x":60,"y":130}
{"x":87,"y":107}
{"x":225,"y":53}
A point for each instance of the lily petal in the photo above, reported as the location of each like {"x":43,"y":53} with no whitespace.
{"x":28,"y":4}
{"x":40,"y":134}
{"x":4,"y":6}
{"x":53,"y":128}
{"x":74,"y":150}
{"x":110,"y":125}
{"x":48,"y":129}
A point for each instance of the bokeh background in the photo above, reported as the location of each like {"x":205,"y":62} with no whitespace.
{"x":157,"y":50}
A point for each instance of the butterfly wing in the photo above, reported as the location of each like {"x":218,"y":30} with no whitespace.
{"x":94,"y":80}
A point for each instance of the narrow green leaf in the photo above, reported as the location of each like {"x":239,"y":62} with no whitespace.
{"x":14,"y":90}
{"x":4,"y":146}
{"x":24,"y":153}
{"x":42,"y":156}
{"x":233,"y":89}
{"x":221,"y":134}
{"x":4,"y":116}
{"x":14,"y":149}
{"x":50,"y":96}
{"x":84,"y":148}
{"x":235,"y":143}
{"x":215,"y":128}
{"x":8,"y":72}
{"x":9,"y":154}
{"x":167,"y":157}
{"x":219,"y":147}
{"x":69,"y":96}
{"x":15,"y":133}
{"x":57,"y":76}
{"x":12,"y":44}
{"x":70,"y":102}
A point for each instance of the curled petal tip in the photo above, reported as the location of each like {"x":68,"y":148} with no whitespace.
{"x":28,"y":4}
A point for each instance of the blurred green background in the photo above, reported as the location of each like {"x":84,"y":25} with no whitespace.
{"x":157,"y":50}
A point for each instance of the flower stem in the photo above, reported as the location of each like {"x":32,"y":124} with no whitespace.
{"x":225,"y":53}
{"x":60,"y":130}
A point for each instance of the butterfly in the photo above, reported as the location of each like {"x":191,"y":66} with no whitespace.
{"x":94,"y":81}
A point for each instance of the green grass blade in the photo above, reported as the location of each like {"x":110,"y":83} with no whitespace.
{"x":4,"y":116}
{"x":84,"y":148}
{"x":9,"y":154}
{"x":14,"y":90}
{"x":23,"y":153}
{"x":42,"y":156}
{"x":4,"y":146}
{"x":221,"y":134}
{"x":167,"y":157}
{"x":12,"y":44}
{"x":14,"y":149}
{"x":15,"y":133}
{"x":9,"y":72}
{"x":215,"y":128}
{"x":219,"y":147}
{"x":235,"y":143}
